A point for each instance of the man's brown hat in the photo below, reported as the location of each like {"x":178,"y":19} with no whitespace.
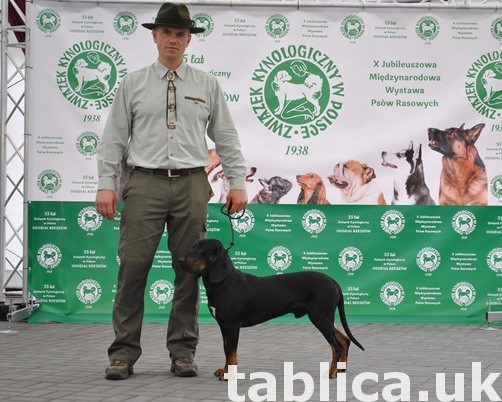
{"x":174,"y":15}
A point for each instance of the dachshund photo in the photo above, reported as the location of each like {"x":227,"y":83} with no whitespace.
{"x":312,"y":190}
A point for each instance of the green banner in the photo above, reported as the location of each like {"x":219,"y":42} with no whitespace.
{"x":396,"y":264}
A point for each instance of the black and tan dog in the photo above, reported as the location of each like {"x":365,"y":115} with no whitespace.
{"x":237,"y":299}
{"x":463,"y":178}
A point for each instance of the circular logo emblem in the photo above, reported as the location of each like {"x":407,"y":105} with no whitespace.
{"x":244,"y":223}
{"x":392,"y":222}
{"x":89,"y":219}
{"x":48,"y":20}
{"x":297,"y":92}
{"x":463,"y":294}
{"x":49,"y":181}
{"x":482,"y":84}
{"x":162,"y":291}
{"x":87,"y":143}
{"x":392,"y":293}
{"x":88,"y":291}
{"x":279,"y":258}
{"x":350,"y":259}
{"x":464,"y":222}
{"x":352,"y":27}
{"x":49,"y":256}
{"x":89,"y":73}
{"x":496,"y":186}
{"x":203,"y":20}
{"x":277,"y":26}
{"x":494,"y":260}
{"x":125,"y":23}
{"x":427,"y":28}
{"x":496,"y":28}
{"x":428,"y":259}
{"x":314,"y":221}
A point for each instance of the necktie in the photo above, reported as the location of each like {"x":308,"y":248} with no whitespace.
{"x":171,"y":101}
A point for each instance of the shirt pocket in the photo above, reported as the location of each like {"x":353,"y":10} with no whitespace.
{"x":196,"y":106}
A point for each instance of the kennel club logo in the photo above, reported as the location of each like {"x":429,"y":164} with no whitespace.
{"x":428,"y":259}
{"x":277,"y":26}
{"x":427,"y":28}
{"x":350,"y":259}
{"x":463,"y":222}
{"x":49,"y":256}
{"x":483,"y":85}
{"x":494,"y":260}
{"x":48,"y":20}
{"x":463,"y":294}
{"x":314,"y":221}
{"x":352,"y":27}
{"x":297,"y":92}
{"x":89,"y":219}
{"x":392,"y":222}
{"x":161,"y":292}
{"x":244,"y":223}
{"x":392,"y":293}
{"x":87,"y":143}
{"x":496,"y":186}
{"x":496,"y":28}
{"x":49,"y":181}
{"x":125,"y":23}
{"x":89,"y":73}
{"x":88,"y":291}
{"x":203,"y":20}
{"x":279,"y":258}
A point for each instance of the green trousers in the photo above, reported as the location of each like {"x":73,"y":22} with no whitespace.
{"x":150,"y":203}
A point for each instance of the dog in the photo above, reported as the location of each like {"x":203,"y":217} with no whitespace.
{"x":273,"y":190}
{"x":237,"y":299}
{"x":355,"y":180}
{"x":225,"y":184}
{"x":409,"y":179}
{"x":286,"y":91}
{"x":491,"y":83}
{"x":83,"y":74}
{"x":463,"y":176}
{"x":313,"y":190}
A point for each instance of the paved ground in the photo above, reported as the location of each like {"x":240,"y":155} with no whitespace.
{"x":66,"y":362}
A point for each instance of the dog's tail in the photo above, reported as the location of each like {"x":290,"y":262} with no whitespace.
{"x":343,"y":319}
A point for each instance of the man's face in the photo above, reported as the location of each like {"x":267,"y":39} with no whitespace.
{"x":171,"y":44}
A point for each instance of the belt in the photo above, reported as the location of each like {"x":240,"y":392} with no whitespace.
{"x":170,"y":172}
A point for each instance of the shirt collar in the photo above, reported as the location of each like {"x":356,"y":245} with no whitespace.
{"x":162,"y":70}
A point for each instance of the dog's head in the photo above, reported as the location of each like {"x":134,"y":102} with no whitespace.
{"x":309,"y":181}
{"x":208,"y":259}
{"x":276,"y":185}
{"x":454,"y":141}
{"x":351,"y":173}
{"x":406,"y":160}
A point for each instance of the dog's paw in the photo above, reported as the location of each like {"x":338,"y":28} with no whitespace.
{"x":220,"y":373}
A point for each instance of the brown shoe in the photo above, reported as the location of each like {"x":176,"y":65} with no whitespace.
{"x":184,"y":367}
{"x":118,"y":370}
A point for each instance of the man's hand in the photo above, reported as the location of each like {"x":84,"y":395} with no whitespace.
{"x":236,"y":201}
{"x":106,"y":203}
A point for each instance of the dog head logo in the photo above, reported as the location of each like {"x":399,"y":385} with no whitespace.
{"x":89,"y":219}
{"x":88,"y":291}
{"x":314,"y":221}
{"x":279,"y":258}
{"x":87,"y":143}
{"x":464,"y":222}
{"x":244,"y":223}
{"x":162,"y":292}
{"x":428,"y":259}
{"x":203,"y":20}
{"x":48,"y":20}
{"x":427,"y":28}
{"x":496,"y":28}
{"x":496,"y":186}
{"x":277,"y":26}
{"x":49,"y":181}
{"x":49,"y":256}
{"x":352,"y":27}
{"x":392,"y":293}
{"x":125,"y":23}
{"x":494,"y":260}
{"x":296,"y":92}
{"x":89,"y":73}
{"x":463,"y":294}
{"x":350,"y":259}
{"x":483,"y":84}
{"x":392,"y":222}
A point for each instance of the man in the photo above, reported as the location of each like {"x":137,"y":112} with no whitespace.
{"x":163,"y":112}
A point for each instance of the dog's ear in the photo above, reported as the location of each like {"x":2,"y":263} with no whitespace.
{"x":218,"y":270}
{"x":474,"y":133}
{"x":369,"y":173}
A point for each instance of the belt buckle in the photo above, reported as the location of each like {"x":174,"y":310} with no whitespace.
{"x":169,"y":174}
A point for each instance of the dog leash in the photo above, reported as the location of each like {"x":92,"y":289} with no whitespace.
{"x":230,"y":217}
